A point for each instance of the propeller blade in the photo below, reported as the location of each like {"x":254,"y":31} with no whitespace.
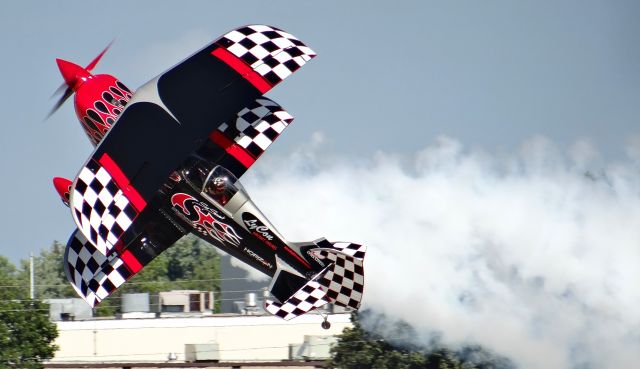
{"x":67,"y":93}
{"x":95,"y":61}
{"x":69,"y":72}
{"x":59,"y":90}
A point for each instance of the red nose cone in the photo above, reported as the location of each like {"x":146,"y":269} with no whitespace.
{"x":63,"y":186}
{"x":73,"y":74}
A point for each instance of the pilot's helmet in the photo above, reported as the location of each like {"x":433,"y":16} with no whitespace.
{"x":219,"y":183}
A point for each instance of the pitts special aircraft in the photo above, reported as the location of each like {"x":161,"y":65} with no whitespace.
{"x":167,"y":162}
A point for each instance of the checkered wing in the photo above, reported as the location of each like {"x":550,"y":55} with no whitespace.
{"x":237,"y":143}
{"x":344,"y":279}
{"x":100,"y":208}
{"x":272,"y":53}
{"x":93,"y":275}
{"x":307,"y":298}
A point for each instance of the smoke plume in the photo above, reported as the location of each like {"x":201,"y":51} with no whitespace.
{"x":534,"y":254}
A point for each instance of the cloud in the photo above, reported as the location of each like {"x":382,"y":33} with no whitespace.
{"x":533,"y":254}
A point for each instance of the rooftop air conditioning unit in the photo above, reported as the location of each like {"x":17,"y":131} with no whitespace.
{"x":313,"y":348}
{"x":201,"y":352}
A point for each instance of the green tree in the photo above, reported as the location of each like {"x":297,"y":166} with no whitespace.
{"x":360,"y":349}
{"x":50,"y":279}
{"x":26,"y":334}
{"x":10,"y":289}
{"x":190,"y":264}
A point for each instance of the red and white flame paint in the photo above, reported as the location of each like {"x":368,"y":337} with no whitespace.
{"x":98,"y":100}
{"x":204,"y":219}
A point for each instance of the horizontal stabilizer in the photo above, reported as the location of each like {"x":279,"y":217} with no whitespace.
{"x":307,"y":298}
{"x":340,"y":282}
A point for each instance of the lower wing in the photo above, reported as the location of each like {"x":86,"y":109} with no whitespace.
{"x":95,"y":276}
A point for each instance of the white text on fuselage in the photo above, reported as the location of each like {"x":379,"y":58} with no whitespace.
{"x":263,"y":230}
{"x":314,"y":257}
{"x":259,"y":258}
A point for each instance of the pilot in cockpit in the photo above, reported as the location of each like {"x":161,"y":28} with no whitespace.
{"x":219,"y":190}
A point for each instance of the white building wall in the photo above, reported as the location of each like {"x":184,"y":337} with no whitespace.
{"x":239,"y":338}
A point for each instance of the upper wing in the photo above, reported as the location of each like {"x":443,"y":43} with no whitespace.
{"x":267,"y":55}
{"x":171,"y":116}
{"x":239,"y":142}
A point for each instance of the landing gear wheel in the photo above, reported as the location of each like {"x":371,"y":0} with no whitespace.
{"x":325,"y":324}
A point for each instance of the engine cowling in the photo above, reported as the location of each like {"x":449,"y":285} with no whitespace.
{"x":98,"y":103}
{"x":98,"y":100}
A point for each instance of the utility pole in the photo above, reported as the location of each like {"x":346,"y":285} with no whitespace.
{"x":32,"y":278}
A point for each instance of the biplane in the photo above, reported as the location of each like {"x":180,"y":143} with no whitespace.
{"x":167,"y":162}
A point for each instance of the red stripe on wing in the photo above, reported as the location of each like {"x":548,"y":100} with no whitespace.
{"x":123,"y":182}
{"x":131,"y":261}
{"x":243,"y":69}
{"x":232,"y":148}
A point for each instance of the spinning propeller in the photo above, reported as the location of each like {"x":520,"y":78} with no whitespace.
{"x":74,"y":75}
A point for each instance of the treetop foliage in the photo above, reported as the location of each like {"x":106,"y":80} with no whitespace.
{"x":402,"y":347}
{"x":26,"y":334}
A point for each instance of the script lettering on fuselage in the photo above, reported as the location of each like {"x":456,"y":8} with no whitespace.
{"x":259,"y":230}
{"x":204,"y":218}
{"x":263,"y":230}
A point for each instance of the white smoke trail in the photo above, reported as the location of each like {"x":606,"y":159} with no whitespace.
{"x":533,"y":255}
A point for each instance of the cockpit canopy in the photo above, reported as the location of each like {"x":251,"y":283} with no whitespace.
{"x":217,"y":184}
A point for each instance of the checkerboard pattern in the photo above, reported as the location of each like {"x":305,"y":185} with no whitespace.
{"x":100,"y":209}
{"x":93,"y":275}
{"x":344,"y":280}
{"x":340,"y":282}
{"x":271,"y":52}
{"x":257,"y":126}
{"x":309,"y":297}
{"x":351,"y":249}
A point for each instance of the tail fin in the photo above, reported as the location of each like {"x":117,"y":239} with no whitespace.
{"x":344,"y":279}
{"x":341,"y":281}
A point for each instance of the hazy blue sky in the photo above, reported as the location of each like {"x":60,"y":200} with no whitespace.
{"x":390,"y":76}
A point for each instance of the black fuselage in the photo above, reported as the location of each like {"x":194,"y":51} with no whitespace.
{"x":237,"y":228}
